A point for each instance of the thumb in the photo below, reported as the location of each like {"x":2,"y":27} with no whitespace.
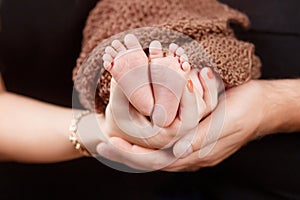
{"x":191,"y":141}
{"x":206,"y":133}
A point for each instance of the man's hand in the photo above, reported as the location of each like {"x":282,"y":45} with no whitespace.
{"x":236,"y":121}
{"x":252,"y":110}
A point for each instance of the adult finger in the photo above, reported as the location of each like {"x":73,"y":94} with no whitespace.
{"x":208,"y":132}
{"x":135,"y":156}
{"x":192,"y":105}
{"x":126,"y":117}
{"x":210,"y":84}
{"x":209,"y":155}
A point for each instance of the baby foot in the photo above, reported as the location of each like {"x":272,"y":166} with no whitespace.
{"x":129,"y":67}
{"x":169,"y":77}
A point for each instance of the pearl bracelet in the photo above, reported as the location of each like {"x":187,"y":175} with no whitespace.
{"x":74,"y":139}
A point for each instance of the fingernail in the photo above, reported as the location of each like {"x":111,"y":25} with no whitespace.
{"x":210,"y":74}
{"x":188,"y":151}
{"x":183,"y":149}
{"x":206,"y":150}
{"x":207,"y":73}
{"x":190,"y":86}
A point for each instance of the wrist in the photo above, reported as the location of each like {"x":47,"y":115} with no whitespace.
{"x":280,"y":106}
{"x":89,"y":132}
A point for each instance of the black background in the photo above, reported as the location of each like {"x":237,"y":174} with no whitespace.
{"x":39,"y":44}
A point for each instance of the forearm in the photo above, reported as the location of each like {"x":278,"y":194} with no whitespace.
{"x":282,"y":106}
{"x":32,"y":131}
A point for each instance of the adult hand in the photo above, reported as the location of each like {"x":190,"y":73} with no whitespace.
{"x":194,"y":105}
{"x":242,"y":115}
{"x":121,"y":119}
{"x":138,"y":130}
{"x":251,"y":110}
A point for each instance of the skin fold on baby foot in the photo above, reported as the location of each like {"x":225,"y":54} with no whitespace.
{"x":129,"y":66}
{"x":168,"y":77}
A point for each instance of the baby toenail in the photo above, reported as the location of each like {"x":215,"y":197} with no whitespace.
{"x":185,"y":66}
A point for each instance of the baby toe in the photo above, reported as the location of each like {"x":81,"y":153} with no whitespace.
{"x":155,"y":49}
{"x":107,"y":65}
{"x":186,"y":67}
{"x":179,"y":52}
{"x":111,"y":51}
{"x":183,"y":58}
{"x":132,"y":42}
{"x":107,"y":61}
{"x":118,"y":46}
{"x":172,"y":49}
{"x":107,"y":57}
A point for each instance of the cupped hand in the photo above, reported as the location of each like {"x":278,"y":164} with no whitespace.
{"x":122,"y":120}
{"x":239,"y":118}
{"x":194,"y":105}
{"x":125,"y":127}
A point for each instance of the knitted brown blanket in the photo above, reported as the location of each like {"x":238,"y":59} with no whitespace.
{"x":206,"y":22}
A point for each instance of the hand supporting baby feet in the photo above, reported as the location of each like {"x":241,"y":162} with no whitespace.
{"x":157,"y":91}
{"x":169,"y":77}
{"x":130,"y":68}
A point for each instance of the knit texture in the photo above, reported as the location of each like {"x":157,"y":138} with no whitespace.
{"x":202,"y":28}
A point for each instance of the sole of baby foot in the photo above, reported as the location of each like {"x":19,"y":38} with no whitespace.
{"x":169,"y":77}
{"x":129,"y":66}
